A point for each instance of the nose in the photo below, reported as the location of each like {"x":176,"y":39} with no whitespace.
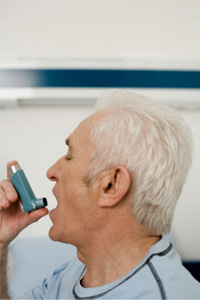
{"x":54,"y":171}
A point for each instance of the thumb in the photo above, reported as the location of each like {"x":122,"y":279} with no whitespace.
{"x":34,"y":216}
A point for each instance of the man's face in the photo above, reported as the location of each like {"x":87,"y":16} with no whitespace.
{"x":77,"y":208}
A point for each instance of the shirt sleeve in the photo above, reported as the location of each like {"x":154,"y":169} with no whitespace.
{"x":49,"y":285}
{"x":37,"y":293}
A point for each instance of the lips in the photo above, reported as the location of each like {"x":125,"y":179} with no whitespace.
{"x":53,"y":191}
{"x":52,"y":213}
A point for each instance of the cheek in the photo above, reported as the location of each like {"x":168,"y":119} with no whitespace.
{"x":73,"y":190}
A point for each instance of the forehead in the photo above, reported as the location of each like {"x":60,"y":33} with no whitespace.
{"x":81,"y":135}
{"x":86,"y":125}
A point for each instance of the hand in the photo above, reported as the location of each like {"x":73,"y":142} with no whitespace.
{"x":12,"y":218}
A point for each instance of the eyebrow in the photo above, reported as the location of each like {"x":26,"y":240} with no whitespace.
{"x":68,"y":143}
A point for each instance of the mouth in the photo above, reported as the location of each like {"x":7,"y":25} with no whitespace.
{"x":53,"y":191}
{"x":52,"y":211}
{"x":52,"y":214}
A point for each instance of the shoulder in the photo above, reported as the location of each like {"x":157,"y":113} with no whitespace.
{"x":172,"y":279}
{"x":59,"y":283}
{"x":161,"y":275}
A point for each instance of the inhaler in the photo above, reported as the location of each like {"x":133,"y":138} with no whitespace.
{"x":28,"y":200}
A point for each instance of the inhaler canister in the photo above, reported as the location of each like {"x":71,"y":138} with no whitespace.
{"x":24,"y":190}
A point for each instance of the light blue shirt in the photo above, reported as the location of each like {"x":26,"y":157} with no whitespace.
{"x":160,"y":275}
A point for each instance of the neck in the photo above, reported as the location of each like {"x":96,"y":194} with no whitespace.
{"x":110,"y":257}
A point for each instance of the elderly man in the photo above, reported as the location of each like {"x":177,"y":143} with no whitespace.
{"x":116,"y":189}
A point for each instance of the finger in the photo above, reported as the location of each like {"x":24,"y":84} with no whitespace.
{"x":7,"y":191}
{"x":37,"y":214}
{"x":9,"y":164}
{"x":4,"y":203}
{"x":34,"y":216}
{"x":3,"y":199}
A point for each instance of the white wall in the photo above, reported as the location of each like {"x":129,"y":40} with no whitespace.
{"x":100,"y":29}
{"x":146,"y":33}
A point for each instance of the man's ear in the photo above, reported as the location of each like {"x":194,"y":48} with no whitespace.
{"x":114,"y":186}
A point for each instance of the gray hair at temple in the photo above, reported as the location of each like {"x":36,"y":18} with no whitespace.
{"x":154,"y":143}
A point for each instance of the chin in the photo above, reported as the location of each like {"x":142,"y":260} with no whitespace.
{"x":53,"y":234}
{"x":57,"y":236}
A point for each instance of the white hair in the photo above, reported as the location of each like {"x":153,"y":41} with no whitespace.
{"x":153,"y":142}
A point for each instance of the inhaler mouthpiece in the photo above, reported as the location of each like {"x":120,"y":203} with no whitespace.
{"x":23,"y":188}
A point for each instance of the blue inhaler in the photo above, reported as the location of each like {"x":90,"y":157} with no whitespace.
{"x":23,"y":188}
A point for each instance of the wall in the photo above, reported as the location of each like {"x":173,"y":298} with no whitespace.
{"x":141,"y":34}
{"x":100,"y":29}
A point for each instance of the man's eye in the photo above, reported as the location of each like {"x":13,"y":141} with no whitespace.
{"x":67,"y":158}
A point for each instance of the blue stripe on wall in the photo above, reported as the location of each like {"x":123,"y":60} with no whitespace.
{"x":83,"y":78}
